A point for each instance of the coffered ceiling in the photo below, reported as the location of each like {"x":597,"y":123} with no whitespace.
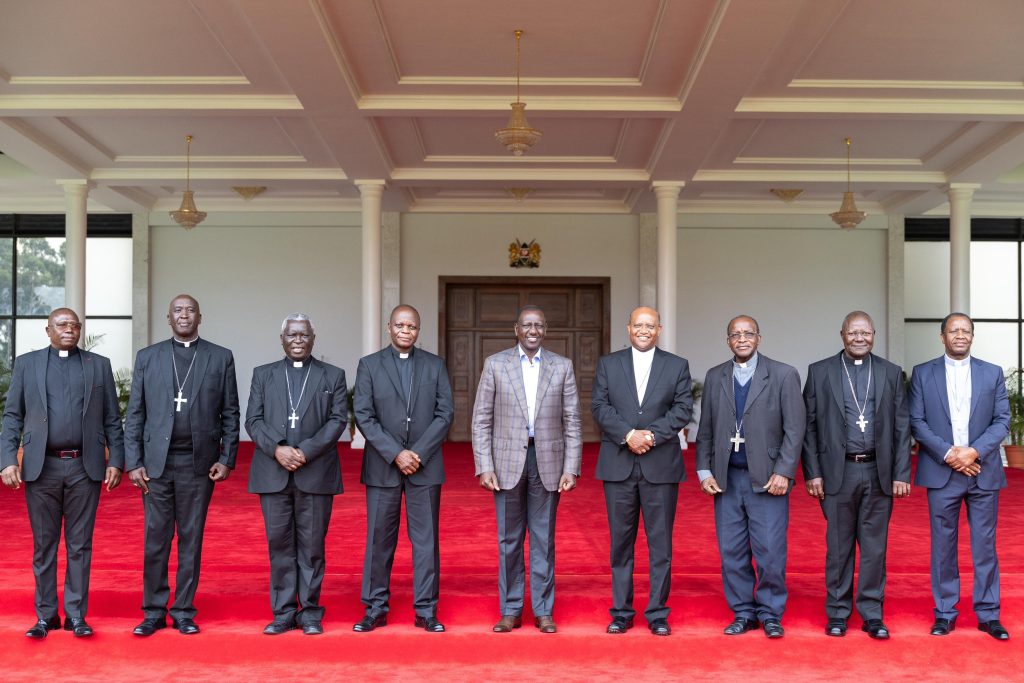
{"x":731,"y":97}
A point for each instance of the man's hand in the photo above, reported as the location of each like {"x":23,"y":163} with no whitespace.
{"x":219,"y":472}
{"x":289,"y":458}
{"x":900,"y":489}
{"x":139,"y":479}
{"x":961,"y":458}
{"x":489,"y":480}
{"x":567,"y":482}
{"x":407,"y":462}
{"x":777,"y":485}
{"x":710,"y":486}
{"x":11,"y":476}
{"x":640,"y":441}
{"x":815,"y":488}
{"x":112,"y":478}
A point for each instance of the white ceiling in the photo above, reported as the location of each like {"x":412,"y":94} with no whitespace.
{"x":731,"y":97}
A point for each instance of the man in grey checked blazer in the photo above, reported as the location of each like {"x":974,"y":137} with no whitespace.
{"x":528,"y":448}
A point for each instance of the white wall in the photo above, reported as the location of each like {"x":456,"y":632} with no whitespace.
{"x":249,"y":271}
{"x":798,"y":276}
{"x":477,"y":244}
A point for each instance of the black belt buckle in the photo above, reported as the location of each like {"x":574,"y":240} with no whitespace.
{"x":67,"y":454}
{"x":860,"y":457}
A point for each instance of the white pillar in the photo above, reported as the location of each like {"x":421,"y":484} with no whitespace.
{"x":960,"y":195}
{"x":668,"y":225}
{"x":76,"y":193}
{"x":372,"y":193}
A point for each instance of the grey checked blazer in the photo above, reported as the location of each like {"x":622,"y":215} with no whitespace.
{"x":500,"y":429}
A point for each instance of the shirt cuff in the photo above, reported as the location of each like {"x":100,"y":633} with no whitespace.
{"x":948,"y":453}
{"x":703,"y":474}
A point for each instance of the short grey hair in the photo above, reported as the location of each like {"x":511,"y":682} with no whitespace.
{"x":297,"y":317}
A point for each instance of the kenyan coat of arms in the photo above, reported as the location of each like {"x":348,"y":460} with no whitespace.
{"x":523,"y":254}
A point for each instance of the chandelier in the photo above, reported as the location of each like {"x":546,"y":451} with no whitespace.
{"x":848,"y":217}
{"x":518,"y":136}
{"x":188,"y":216}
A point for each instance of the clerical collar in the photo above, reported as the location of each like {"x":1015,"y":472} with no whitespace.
{"x":402,"y":354}
{"x":61,"y":353}
{"x":298,"y":363}
{"x":749,"y":364}
{"x":855,"y":361}
{"x":952,"y":362}
{"x":185,"y":344}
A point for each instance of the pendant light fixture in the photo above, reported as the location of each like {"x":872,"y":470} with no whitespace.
{"x":848,"y":217}
{"x":188,"y":216}
{"x":518,"y":136}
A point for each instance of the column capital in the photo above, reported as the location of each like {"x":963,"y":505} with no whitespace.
{"x":75,"y":185}
{"x":370,"y":187}
{"x":962,"y":190}
{"x":667,"y":188}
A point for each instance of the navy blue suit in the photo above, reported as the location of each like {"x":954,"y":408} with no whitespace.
{"x":988,"y":425}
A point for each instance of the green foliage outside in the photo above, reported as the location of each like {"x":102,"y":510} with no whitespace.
{"x":1013,"y":388}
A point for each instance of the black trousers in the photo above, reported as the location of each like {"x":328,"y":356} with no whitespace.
{"x":383,"y":517}
{"x":296,"y":523}
{"x":625,"y":501}
{"x":63,"y":494}
{"x":858,"y":517}
{"x":177,"y":502}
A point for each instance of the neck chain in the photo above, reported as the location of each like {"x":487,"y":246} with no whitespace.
{"x":181,"y":385}
{"x":294,"y":417}
{"x":861,"y":422}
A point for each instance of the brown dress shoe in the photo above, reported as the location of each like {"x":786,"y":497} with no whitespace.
{"x":545,"y":624}
{"x":507,"y":623}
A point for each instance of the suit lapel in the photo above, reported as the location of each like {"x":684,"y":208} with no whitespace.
{"x":198,"y":373}
{"x":938,"y":378}
{"x":757,"y":384}
{"x":835,"y":380}
{"x":87,"y":373}
{"x":657,"y":363}
{"x":513,"y":367}
{"x":44,"y":358}
{"x":316,"y":372}
{"x":976,"y":388}
{"x":543,"y":381}
{"x":627,"y":370}
{"x":728,"y":390}
{"x":417,"y":370}
{"x":387,"y":359}
{"x":878,"y":371}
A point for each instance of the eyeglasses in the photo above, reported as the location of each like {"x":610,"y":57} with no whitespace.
{"x":68,"y":325}
{"x":859,"y":334}
{"x":298,"y":337}
{"x":641,"y":327}
{"x":405,"y":326}
{"x":736,"y":336}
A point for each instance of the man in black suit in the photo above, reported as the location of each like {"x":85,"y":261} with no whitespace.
{"x":298,"y":407}
{"x":181,"y":437}
{"x":641,"y":400}
{"x":403,"y":406}
{"x":751,"y":430}
{"x":65,"y":398}
{"x":856,"y":459}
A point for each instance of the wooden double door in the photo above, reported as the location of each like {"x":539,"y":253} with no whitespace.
{"x":476,"y":319}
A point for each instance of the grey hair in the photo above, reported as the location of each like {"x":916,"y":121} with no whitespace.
{"x":297,"y":317}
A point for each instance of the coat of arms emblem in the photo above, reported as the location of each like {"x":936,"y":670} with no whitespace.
{"x":524,"y":254}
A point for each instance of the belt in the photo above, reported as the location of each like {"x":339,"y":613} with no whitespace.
{"x":529,"y":442}
{"x":861,"y":457}
{"x":65,"y":454}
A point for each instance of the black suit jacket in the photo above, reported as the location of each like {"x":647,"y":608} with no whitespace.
{"x":382,"y":410}
{"x":25,"y":416}
{"x":323,"y":415}
{"x":825,"y":439}
{"x":666,"y":409}
{"x":212,"y":405}
{"x":773,"y":422}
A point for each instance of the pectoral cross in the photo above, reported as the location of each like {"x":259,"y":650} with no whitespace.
{"x":862,"y":423}
{"x":293,"y":418}
{"x":736,"y":441}
{"x":179,"y":401}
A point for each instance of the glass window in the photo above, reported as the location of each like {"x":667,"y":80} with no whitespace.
{"x":6,"y":276}
{"x":30,"y":334}
{"x":108,"y":276}
{"x":922,"y":344}
{"x":996,"y":343}
{"x":40,"y":275}
{"x":112,"y":338}
{"x":994,"y":286}
{"x":5,"y":342}
{"x":926,"y":278}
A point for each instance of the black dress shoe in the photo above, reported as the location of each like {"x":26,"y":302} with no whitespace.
{"x":943,"y":627}
{"x":620,"y":625}
{"x":185,"y":626}
{"x":507,"y":623}
{"x":660,"y":627}
{"x":369,"y":623}
{"x":313,"y":628}
{"x":429,"y":624}
{"x":43,"y":627}
{"x":78,"y":626}
{"x":773,"y":628}
{"x":279,"y":626}
{"x":836,"y":628}
{"x":149,"y":626}
{"x":739,"y":626}
{"x":876,"y":629}
{"x":994,"y":629}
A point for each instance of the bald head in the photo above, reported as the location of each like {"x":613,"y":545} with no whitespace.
{"x":644,"y":328}
{"x":404,"y":328}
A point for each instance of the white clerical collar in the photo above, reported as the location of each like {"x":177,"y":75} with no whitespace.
{"x":403,"y":355}
{"x":522,"y":354}
{"x":298,"y":363}
{"x":188,"y":343}
{"x":749,"y":363}
{"x":63,"y":353}
{"x":952,"y":362}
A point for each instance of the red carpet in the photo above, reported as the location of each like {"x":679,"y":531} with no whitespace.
{"x":233,"y":603}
